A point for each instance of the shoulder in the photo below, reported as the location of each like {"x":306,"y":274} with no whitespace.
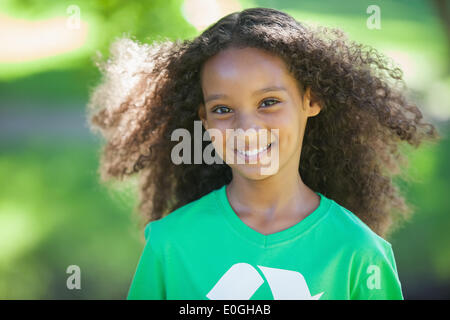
{"x":354,"y":234}
{"x":373,"y":271}
{"x":187,"y":219}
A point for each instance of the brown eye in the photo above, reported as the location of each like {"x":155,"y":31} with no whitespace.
{"x":221,"y":110}
{"x":270,"y":101}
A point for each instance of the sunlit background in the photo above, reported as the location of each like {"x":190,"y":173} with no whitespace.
{"x":53,"y":211}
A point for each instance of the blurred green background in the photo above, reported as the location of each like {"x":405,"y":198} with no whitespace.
{"x":54,"y":212}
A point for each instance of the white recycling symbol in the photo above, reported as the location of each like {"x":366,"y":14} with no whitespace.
{"x":242,"y":280}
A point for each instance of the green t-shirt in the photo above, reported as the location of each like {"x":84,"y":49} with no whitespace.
{"x":203,"y":251}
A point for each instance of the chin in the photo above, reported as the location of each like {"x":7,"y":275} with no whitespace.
{"x":253,"y":172}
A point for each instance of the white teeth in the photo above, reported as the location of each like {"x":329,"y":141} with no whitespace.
{"x":254,"y":152}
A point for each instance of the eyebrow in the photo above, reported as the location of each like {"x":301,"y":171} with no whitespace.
{"x":268,"y":89}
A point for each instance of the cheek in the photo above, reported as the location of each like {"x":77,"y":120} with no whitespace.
{"x":219,"y":141}
{"x":289,"y":126}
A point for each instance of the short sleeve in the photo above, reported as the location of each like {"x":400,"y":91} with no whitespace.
{"x":148,"y":281}
{"x":374,"y":275}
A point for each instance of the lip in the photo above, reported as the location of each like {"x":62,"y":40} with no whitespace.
{"x":256,"y":156}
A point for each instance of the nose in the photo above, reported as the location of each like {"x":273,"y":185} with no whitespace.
{"x":247,"y":120}
{"x":247,"y":130}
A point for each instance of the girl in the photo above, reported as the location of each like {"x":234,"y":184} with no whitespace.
{"x":312,"y":226}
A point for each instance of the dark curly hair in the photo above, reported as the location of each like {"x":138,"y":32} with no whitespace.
{"x":351,"y":150}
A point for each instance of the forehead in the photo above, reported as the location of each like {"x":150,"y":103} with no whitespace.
{"x":244,"y":68}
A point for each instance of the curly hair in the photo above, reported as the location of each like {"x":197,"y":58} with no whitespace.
{"x":351,"y":150}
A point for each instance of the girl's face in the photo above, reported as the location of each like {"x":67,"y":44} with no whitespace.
{"x":252,"y":89}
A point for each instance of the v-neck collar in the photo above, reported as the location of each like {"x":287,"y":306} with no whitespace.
{"x":276,"y":238}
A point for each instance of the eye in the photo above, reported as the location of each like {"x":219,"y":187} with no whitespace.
{"x":271,"y":102}
{"x":221,"y":109}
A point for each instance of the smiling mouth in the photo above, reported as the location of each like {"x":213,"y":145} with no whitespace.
{"x":250,"y":154}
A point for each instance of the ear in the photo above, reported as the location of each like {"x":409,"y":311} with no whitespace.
{"x":310,"y":104}
{"x":202,"y":115}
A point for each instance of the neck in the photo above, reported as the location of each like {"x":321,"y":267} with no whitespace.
{"x":270,"y":196}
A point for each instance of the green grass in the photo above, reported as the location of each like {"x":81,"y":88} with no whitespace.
{"x":54,"y":213}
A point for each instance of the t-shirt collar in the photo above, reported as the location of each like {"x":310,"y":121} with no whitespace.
{"x":277,"y":238}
